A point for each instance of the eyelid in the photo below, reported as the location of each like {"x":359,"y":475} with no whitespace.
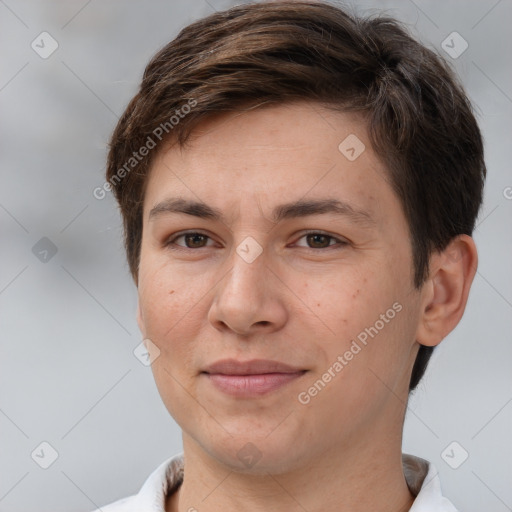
{"x":170,"y":242}
{"x":341,"y":241}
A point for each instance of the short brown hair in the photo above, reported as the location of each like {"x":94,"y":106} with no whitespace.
{"x":419,"y":120}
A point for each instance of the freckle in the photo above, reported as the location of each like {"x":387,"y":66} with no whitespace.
{"x":172,"y":291}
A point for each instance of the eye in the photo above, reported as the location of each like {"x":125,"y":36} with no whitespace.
{"x":196,"y":240}
{"x":319,"y":240}
{"x":192,"y":240}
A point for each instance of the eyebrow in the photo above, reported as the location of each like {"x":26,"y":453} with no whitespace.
{"x":297,"y":209}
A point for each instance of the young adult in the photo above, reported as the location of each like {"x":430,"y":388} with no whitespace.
{"x":298,"y":188}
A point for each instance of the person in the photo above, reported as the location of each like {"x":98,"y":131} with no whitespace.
{"x":298,"y":187}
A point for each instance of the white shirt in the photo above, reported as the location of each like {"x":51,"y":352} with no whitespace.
{"x":421,"y":477}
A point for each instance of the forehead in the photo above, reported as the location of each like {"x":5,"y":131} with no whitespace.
{"x":272,"y":155}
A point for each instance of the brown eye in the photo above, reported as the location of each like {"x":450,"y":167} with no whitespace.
{"x":192,"y":240}
{"x":195,"y":240}
{"x":319,"y":241}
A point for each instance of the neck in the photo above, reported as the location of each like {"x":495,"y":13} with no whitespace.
{"x":360,"y":478}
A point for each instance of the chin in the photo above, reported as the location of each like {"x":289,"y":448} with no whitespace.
{"x":256,"y":455}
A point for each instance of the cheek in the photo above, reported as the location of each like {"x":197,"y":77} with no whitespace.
{"x":368,"y":324}
{"x":169,"y":303}
{"x":346,"y":302}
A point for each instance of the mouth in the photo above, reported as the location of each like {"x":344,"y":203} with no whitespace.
{"x":250,"y":378}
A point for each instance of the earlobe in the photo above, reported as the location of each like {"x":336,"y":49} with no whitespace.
{"x":446,"y":291}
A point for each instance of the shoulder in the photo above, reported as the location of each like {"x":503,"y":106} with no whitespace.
{"x":123,"y":505}
{"x":164,"y":480}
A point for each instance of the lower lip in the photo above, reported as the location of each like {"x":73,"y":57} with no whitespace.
{"x":251,"y":385}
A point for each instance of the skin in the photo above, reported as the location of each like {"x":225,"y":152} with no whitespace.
{"x":301,"y":301}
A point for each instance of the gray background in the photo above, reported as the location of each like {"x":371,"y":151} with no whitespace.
{"x":68,"y":375}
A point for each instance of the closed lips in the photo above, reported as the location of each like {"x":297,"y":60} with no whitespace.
{"x":252,"y":367}
{"x":250,"y":379}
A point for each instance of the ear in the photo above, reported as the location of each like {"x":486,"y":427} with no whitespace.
{"x":445,"y":293}
{"x":140,"y":320}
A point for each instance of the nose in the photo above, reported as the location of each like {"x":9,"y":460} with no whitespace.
{"x":249,"y":299}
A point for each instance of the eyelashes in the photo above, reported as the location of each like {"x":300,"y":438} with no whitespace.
{"x":194,"y":241}
{"x":324,"y":236}
{"x":187,"y":236}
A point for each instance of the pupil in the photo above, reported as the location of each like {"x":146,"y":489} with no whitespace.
{"x":194,"y":239}
{"x":317,"y":237}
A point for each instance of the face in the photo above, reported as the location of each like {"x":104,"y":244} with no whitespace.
{"x":281,"y":308}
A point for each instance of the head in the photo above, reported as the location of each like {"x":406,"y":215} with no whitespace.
{"x":272,"y":104}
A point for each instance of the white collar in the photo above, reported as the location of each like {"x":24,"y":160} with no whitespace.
{"x":421,"y":476}
{"x":423,"y":481}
